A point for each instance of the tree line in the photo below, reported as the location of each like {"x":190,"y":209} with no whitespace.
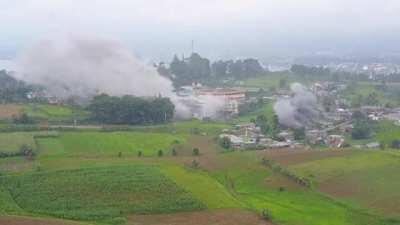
{"x":195,"y":68}
{"x":11,"y":89}
{"x":131,"y":110}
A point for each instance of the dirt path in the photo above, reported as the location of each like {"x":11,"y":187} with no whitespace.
{"x":218,"y":217}
{"x":13,"y":220}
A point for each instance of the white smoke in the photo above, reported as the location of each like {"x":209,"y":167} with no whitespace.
{"x":299,"y":110}
{"x":86,"y":66}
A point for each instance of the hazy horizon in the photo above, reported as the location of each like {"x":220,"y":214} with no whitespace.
{"x":220,"y":28}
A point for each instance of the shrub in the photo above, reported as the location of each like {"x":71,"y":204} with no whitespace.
{"x":225,"y":143}
{"x":173,"y":152}
{"x":266,"y":215}
{"x":160,"y":153}
{"x":196,"y":152}
{"x":139,"y":154}
{"x":195,"y":164}
{"x":396,"y":144}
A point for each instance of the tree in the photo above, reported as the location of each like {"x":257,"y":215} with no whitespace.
{"x":160,"y":153}
{"x":274,"y":127}
{"x":131,"y":110}
{"x":173,"y":152}
{"x":262,"y":123}
{"x":299,"y":134}
{"x":266,"y":215}
{"x":252,"y":67}
{"x":328,"y":102}
{"x":195,"y":164}
{"x":225,"y":143}
{"x":361,"y":130}
{"x":219,"y":68}
{"x":26,"y":151}
{"x":396,"y":144}
{"x":283,"y":83}
{"x":23,"y":119}
{"x":139,"y":154}
{"x":196,"y":151}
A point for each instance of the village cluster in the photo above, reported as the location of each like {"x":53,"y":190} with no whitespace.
{"x":330,"y":128}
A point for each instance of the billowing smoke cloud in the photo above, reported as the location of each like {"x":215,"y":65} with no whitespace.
{"x":82,"y":66}
{"x":299,"y":110}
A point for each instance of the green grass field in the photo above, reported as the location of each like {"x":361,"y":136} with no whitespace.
{"x":11,"y":142}
{"x":247,"y":179}
{"x":78,"y":175}
{"x":368,"y":178}
{"x":98,"y":193}
{"x":109,"y":143}
{"x":211,"y":192}
{"x":54,"y":113}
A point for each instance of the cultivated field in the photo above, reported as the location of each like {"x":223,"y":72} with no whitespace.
{"x":99,"y":193}
{"x":80,"y":175}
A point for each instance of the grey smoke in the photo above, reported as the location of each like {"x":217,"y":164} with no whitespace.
{"x":85,"y":66}
{"x":298,"y":110}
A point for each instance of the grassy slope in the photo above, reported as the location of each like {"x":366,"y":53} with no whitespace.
{"x":247,"y":179}
{"x":367,"y":178}
{"x":240,"y":174}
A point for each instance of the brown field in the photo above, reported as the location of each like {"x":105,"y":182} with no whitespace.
{"x":11,"y":220}
{"x":289,"y":157}
{"x":9,"y":110}
{"x":218,"y":217}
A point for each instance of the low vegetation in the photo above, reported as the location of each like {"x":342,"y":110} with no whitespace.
{"x":98,"y":193}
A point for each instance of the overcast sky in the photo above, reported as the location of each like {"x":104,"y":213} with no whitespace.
{"x":221,"y":28}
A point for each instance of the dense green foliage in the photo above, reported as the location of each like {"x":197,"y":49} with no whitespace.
{"x":99,"y":193}
{"x":198,"y":69}
{"x":131,"y":110}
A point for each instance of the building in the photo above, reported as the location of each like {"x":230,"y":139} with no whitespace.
{"x":335,"y":141}
{"x":232,"y":97}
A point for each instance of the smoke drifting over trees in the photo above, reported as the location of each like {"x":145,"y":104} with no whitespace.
{"x":83,"y":66}
{"x":300,"y":110}
{"x":86,"y":66}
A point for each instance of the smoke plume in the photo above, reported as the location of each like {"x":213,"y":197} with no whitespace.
{"x":86,"y":66}
{"x":299,"y":110}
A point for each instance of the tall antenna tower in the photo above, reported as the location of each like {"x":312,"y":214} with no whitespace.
{"x":192,"y":46}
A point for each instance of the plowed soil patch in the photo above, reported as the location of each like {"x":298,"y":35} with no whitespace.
{"x":292,"y":157}
{"x":8,"y":111}
{"x":219,"y":217}
{"x":6,"y":220}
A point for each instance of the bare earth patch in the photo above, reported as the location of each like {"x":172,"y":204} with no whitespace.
{"x":296,"y":156}
{"x":11,"y":220}
{"x":9,"y":110}
{"x":218,"y":217}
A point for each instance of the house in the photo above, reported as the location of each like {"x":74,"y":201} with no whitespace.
{"x":335,"y":141}
{"x":373,"y":145}
{"x":315,"y":136}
